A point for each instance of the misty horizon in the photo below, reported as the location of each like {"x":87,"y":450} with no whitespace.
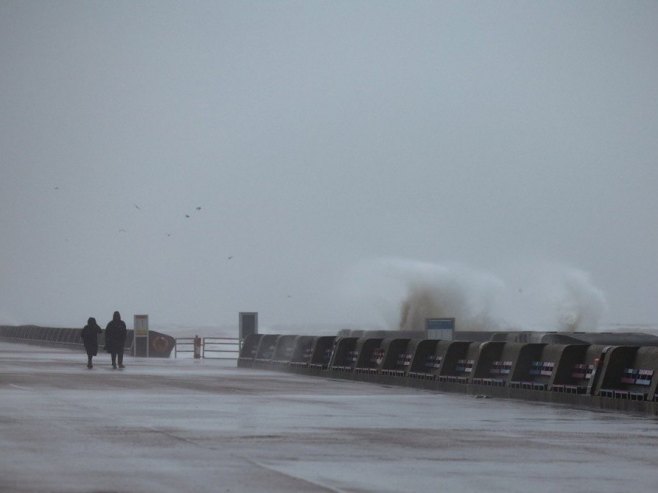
{"x":329,"y":164}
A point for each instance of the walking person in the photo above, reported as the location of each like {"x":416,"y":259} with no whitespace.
{"x":115,"y":339}
{"x":89,"y":337}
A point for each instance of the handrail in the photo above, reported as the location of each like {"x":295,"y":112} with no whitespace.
{"x":215,"y":347}
{"x":222,"y":342}
{"x":185,"y":341}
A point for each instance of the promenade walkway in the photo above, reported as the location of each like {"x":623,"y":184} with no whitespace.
{"x":206,"y":426}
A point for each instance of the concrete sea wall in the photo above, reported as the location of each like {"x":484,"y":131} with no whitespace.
{"x":581,"y":374}
{"x":161,"y":345}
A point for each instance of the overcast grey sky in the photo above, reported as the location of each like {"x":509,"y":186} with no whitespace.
{"x":315,"y":136}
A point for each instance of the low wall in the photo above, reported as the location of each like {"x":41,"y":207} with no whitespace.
{"x":161,"y":345}
{"x":584,"y":375}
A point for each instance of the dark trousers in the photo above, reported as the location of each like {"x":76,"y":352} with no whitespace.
{"x":91,"y":352}
{"x":117,"y":355}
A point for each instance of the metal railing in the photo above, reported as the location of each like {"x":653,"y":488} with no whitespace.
{"x":220,"y":347}
{"x":184,"y":345}
{"x":211,"y":347}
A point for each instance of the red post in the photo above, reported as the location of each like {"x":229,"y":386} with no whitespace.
{"x":197,"y":347}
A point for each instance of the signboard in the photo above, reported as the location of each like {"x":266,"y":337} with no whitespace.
{"x":248,"y":325}
{"x":440,"y":328}
{"x":141,"y":340}
{"x":141,"y":325}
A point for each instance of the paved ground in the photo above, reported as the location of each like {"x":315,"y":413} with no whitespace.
{"x":207,"y":426}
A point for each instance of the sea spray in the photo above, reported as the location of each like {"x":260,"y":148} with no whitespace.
{"x":453,"y":291}
{"x":546,"y":295}
{"x":580,"y":304}
{"x":538,"y":296}
{"x":405,"y":292}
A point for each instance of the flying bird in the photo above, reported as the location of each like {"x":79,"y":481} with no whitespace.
{"x":137,"y":207}
{"x":187,"y":215}
{"x":198,"y":208}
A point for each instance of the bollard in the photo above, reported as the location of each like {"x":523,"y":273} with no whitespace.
{"x":197,"y":347}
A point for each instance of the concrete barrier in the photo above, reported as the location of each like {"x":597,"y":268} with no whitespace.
{"x":529,"y":371}
{"x":575,"y":373}
{"x":370,"y":356}
{"x":345,"y":355}
{"x":426,"y":362}
{"x":647,"y":358}
{"x":522,"y":368}
{"x":616,"y":382}
{"x":625,"y":379}
{"x":324,"y":348}
{"x":398,"y":355}
{"x":493,"y":367}
{"x":458,"y":361}
{"x":303,"y":352}
{"x":248,"y":351}
{"x":265,"y":351}
{"x":70,"y":337}
{"x":283,"y":352}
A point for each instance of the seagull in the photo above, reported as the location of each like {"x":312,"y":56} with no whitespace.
{"x":187,"y":215}
{"x":198,"y":208}
{"x":137,"y":207}
{"x":230,"y":257}
{"x":122,"y":230}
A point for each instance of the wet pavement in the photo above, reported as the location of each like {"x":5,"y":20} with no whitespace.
{"x":207,"y":426}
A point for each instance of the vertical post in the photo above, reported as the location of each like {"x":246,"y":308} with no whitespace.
{"x":248,"y":325}
{"x":197,"y":347}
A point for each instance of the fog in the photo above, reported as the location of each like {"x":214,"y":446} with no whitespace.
{"x":329,"y":163}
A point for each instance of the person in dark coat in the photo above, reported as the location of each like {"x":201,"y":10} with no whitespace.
{"x":115,"y":339}
{"x":90,"y":339}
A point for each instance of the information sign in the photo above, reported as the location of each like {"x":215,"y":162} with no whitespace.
{"x":141,"y":340}
{"x":440,"y":328}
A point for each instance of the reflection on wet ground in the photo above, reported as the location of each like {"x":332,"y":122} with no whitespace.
{"x":184,"y":425}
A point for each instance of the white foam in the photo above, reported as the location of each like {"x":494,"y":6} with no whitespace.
{"x":537,"y":296}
